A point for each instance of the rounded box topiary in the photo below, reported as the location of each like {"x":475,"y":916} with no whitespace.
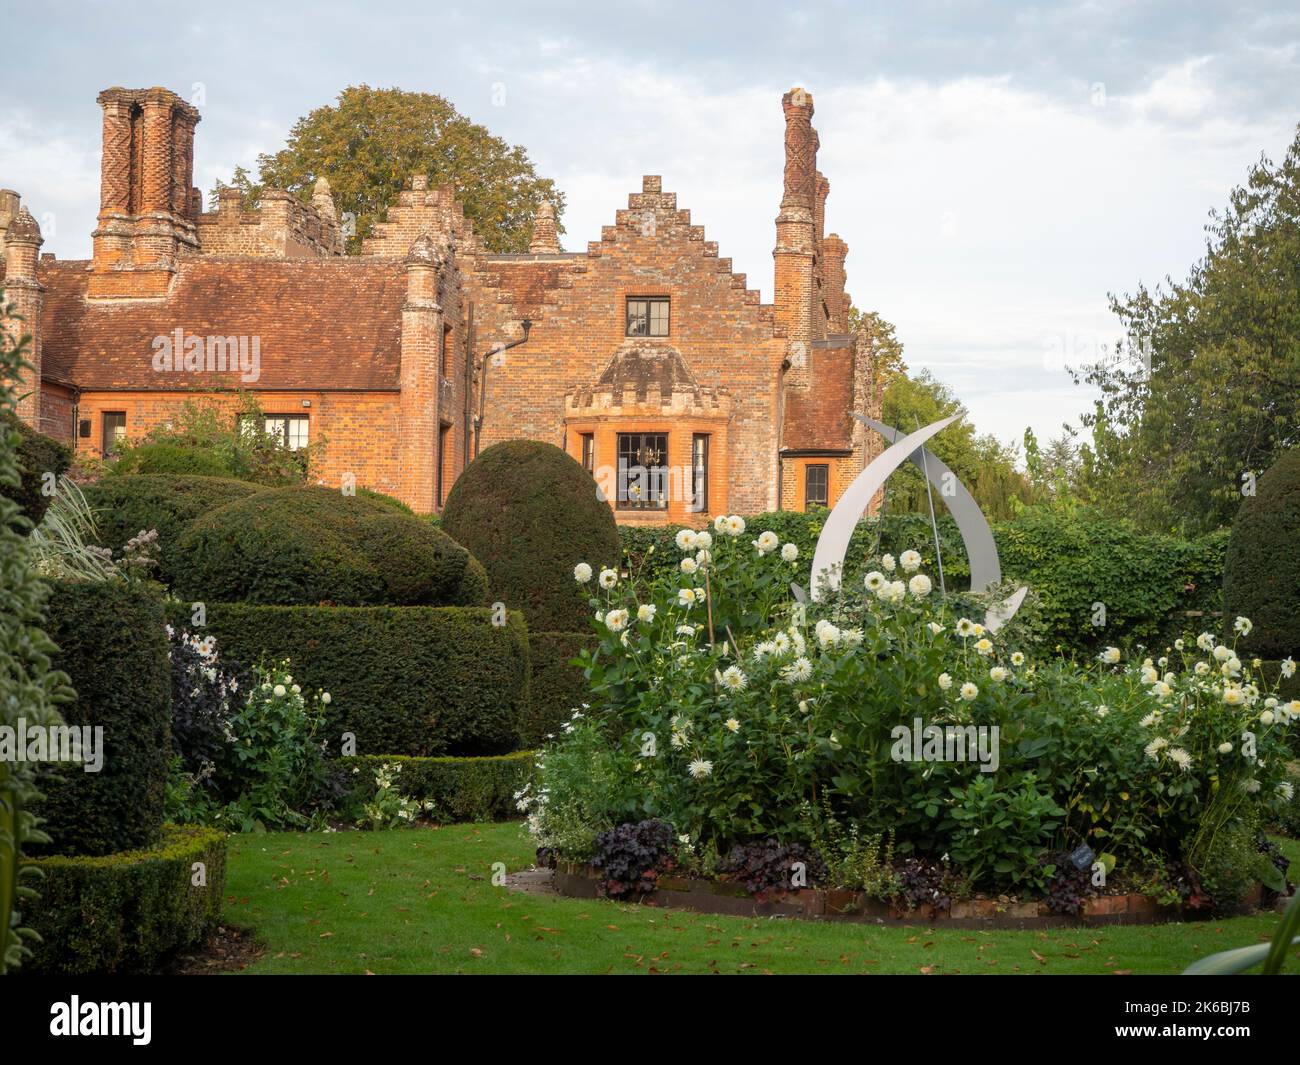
{"x":307,"y":545}
{"x":127,"y":506}
{"x":113,"y":646}
{"x":530,"y":513}
{"x":1261,"y":572}
{"x":37,"y":456}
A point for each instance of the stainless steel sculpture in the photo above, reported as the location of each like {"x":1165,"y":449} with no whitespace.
{"x":981,"y":550}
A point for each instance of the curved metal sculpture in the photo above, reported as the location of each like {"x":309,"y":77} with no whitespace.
{"x":981,"y":549}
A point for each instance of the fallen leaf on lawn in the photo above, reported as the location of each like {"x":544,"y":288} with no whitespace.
{"x":926,"y":970}
{"x":1037,"y":955}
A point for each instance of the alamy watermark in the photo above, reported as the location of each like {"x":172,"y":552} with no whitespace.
{"x":53,"y":743}
{"x":920,"y":742}
{"x":181,"y":352}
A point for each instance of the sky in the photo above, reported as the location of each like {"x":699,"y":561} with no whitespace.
{"x":997,"y":170}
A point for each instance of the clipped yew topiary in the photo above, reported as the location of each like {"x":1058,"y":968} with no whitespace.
{"x":307,"y":545}
{"x":1261,"y":573}
{"x":161,"y":456}
{"x":113,"y":645}
{"x":37,"y":456}
{"x":530,"y":513}
{"x":126,"y":506}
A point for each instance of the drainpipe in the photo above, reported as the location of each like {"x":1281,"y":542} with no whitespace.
{"x":780,"y":431}
{"x":482,"y":384}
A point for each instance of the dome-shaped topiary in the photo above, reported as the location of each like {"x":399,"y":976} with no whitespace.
{"x":307,"y":545}
{"x":1261,"y":574}
{"x":164,"y":457}
{"x":37,"y":456}
{"x":127,"y":506}
{"x":530,"y":513}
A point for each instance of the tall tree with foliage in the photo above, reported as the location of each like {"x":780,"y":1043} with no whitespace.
{"x":1205,"y":392}
{"x":29,"y":689}
{"x":371,"y":141}
{"x":985,"y":465}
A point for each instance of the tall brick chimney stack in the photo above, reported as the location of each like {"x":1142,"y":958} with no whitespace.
{"x":147,"y":207}
{"x":22,"y":245}
{"x":420,"y":374}
{"x":833,"y":253}
{"x":546,"y":240}
{"x":796,"y":231}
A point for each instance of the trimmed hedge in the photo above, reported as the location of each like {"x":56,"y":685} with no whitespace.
{"x":462,"y":789}
{"x":164,"y":457}
{"x":113,"y":646}
{"x":38,"y":455}
{"x":405,"y":680}
{"x":530,"y":513}
{"x":1261,"y":574}
{"x":305,"y":545}
{"x":126,"y":505}
{"x":1072,"y":559}
{"x":558,"y":687}
{"x":124,"y":913}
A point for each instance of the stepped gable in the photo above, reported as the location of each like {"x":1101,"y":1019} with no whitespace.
{"x":323,"y":324}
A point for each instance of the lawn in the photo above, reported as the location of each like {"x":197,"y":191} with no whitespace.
{"x":422,"y":901}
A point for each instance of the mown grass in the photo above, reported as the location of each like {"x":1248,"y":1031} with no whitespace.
{"x":422,"y":901}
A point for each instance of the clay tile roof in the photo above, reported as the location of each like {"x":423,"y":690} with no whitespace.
{"x":816,"y":417}
{"x":323,"y":324}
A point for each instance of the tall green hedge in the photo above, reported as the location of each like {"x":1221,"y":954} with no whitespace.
{"x":1261,"y":576}
{"x":38,"y":455}
{"x":126,"y":506}
{"x":461,"y":789}
{"x":530,"y":513}
{"x":307,"y":545}
{"x":113,"y":645}
{"x":558,"y":686}
{"x":1072,"y":559}
{"x":405,"y":680}
{"x":124,"y":913}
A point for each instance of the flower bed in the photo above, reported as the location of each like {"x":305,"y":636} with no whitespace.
{"x":886,"y":742}
{"x":717,"y":896}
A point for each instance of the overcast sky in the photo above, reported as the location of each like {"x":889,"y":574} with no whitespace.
{"x":995,"y":169}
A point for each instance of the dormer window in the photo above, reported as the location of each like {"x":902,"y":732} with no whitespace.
{"x":647,"y":317}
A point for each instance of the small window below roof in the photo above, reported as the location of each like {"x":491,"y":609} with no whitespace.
{"x":647,"y":316}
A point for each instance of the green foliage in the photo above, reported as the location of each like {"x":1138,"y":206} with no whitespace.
{"x":371,"y":141}
{"x":305,"y":545}
{"x":37,"y":455}
{"x":455,"y":789}
{"x":720,"y":706}
{"x":982,"y":463}
{"x":206,"y":438}
{"x":1207,"y":385}
{"x":63,"y":544}
{"x":165,"y":457}
{"x":529,"y":513}
{"x":1070,"y":559}
{"x":124,"y":913}
{"x":1261,"y":576}
{"x":31,"y":687}
{"x":1271,"y":955}
{"x":123,"y":507}
{"x":408,"y":680}
{"x":113,"y":644}
{"x":558,"y":686}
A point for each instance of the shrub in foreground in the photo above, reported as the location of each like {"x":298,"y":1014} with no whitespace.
{"x":124,"y":913}
{"x":458,"y":789}
{"x":306,"y":545}
{"x":113,"y":645}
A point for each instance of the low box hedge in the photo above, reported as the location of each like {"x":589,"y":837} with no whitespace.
{"x":558,"y":687}
{"x":411,"y":680}
{"x":462,"y":789}
{"x":126,"y":912}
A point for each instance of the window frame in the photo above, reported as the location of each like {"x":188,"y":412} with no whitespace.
{"x":588,"y":452}
{"x":107,"y":448}
{"x":648,"y":316}
{"x":825,"y":470}
{"x":658,"y":488}
{"x":700,"y":473}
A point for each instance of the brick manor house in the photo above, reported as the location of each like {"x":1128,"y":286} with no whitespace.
{"x":645,"y":356}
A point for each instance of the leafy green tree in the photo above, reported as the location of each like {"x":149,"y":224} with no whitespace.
{"x":1205,"y":391}
{"x":371,"y":141}
{"x":985,"y":465}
